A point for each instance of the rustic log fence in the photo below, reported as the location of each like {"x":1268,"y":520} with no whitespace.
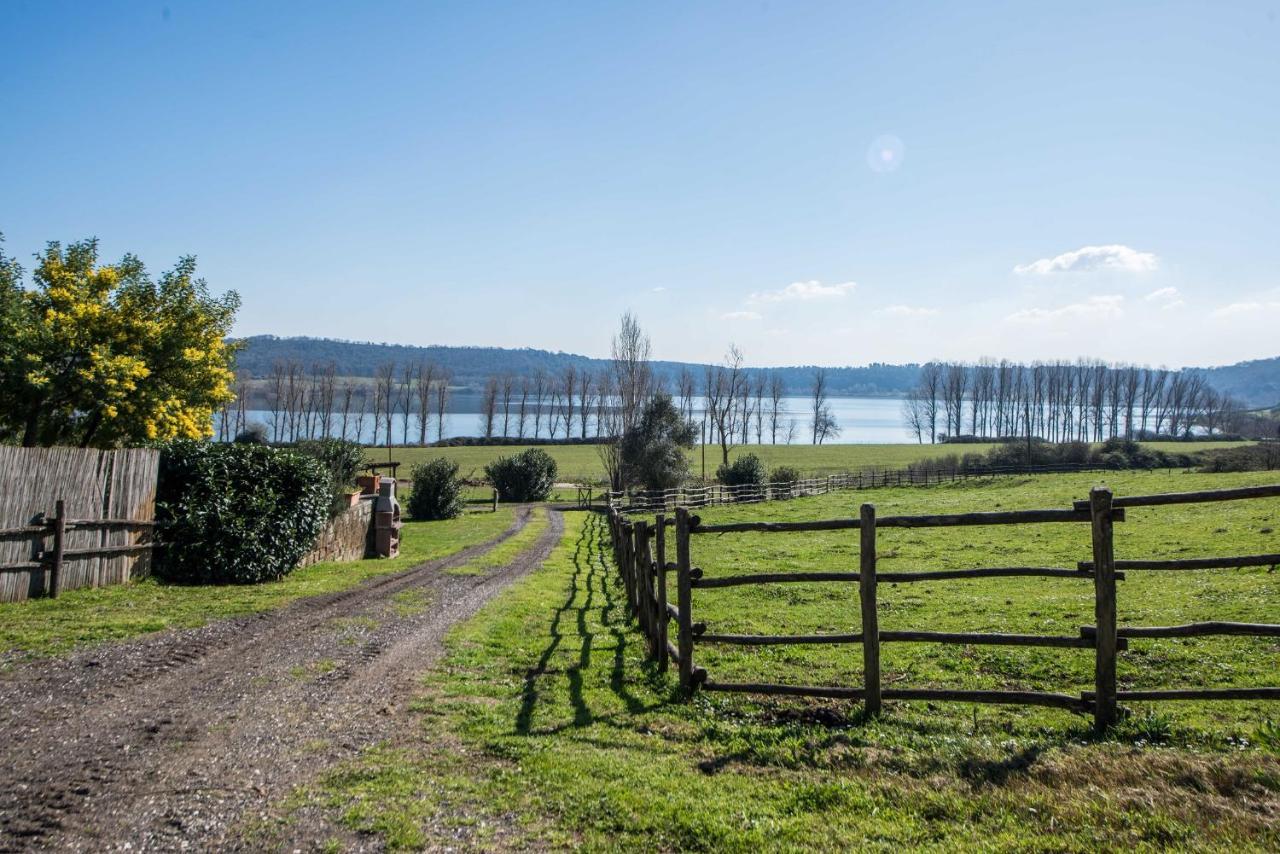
{"x":640,"y":550}
{"x":707,"y":495}
{"x":74,"y":517}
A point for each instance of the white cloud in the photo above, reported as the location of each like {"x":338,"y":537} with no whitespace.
{"x":907,"y":311}
{"x":804,"y":292}
{"x":1237,"y":309}
{"x":1169,"y":298}
{"x":1088,"y":259}
{"x":1093,"y":307}
{"x":659,"y":289}
{"x":742,"y":315}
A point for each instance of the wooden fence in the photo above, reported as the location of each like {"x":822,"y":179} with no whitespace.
{"x":640,"y":549}
{"x":666,"y":501}
{"x":74,"y":517}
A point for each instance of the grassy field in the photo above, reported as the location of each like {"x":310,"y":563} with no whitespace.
{"x":547,"y":727}
{"x":581,"y":463}
{"x":93,"y":615}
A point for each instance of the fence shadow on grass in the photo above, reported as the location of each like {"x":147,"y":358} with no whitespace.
{"x":590,"y":569}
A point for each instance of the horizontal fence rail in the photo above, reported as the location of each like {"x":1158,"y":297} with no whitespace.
{"x":52,"y":560}
{"x":919,"y":474}
{"x":640,"y":551}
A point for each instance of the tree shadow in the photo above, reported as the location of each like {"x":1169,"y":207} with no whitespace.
{"x":591,"y":561}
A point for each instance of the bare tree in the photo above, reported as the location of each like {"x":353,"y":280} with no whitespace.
{"x":539,"y":393}
{"x":489,"y":406}
{"x":384,"y":382}
{"x":348,"y":398}
{"x":570,"y":386}
{"x":632,"y":373}
{"x":686,"y":387}
{"x":522,"y":412}
{"x":824,"y":422}
{"x":586,"y":388}
{"x":507,"y":384}
{"x":426,"y":379}
{"x":776,"y":389}
{"x":442,"y":401}
{"x":720,"y":394}
{"x":913,"y":412}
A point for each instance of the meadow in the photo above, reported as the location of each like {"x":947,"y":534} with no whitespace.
{"x":581,"y":463}
{"x":548,"y":726}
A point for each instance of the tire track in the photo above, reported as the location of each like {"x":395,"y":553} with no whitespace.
{"x":172,"y":741}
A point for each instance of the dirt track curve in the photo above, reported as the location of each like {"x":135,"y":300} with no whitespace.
{"x":180,"y":740}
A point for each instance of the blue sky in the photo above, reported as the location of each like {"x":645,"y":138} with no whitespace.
{"x":820,"y":183}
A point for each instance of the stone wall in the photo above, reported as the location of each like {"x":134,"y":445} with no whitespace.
{"x":346,"y":537}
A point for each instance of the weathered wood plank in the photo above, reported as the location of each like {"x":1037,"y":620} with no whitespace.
{"x":1231,"y":562}
{"x":779,"y":640}
{"x":1198,"y":497}
{"x":772,"y":578}
{"x":785,"y":690}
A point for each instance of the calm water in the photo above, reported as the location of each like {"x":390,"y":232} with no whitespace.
{"x":861,"y":420}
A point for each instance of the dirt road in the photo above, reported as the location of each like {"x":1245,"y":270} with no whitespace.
{"x":181,"y":740}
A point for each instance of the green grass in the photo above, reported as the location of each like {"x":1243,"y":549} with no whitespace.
{"x":547,"y":727}
{"x":581,"y":463}
{"x":505,"y":551}
{"x":88,"y":616}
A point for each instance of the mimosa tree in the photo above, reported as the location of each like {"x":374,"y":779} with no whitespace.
{"x":102,"y":355}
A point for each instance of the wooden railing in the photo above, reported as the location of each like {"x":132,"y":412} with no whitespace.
{"x":640,"y":550}
{"x":665,"y":501}
{"x":53,"y":558}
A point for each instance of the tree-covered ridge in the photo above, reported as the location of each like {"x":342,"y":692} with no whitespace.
{"x":473,"y":366}
{"x":1255,"y":383}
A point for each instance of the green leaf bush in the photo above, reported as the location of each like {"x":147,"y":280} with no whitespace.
{"x":437,"y":491}
{"x":746,"y":470}
{"x":527,"y":476}
{"x":236,"y":513}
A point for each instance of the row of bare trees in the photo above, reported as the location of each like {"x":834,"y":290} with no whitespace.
{"x":571,"y":404}
{"x":735,"y":403}
{"x":399,"y":404}
{"x":1062,"y":401}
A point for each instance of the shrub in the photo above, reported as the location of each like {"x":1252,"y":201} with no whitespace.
{"x":342,"y":460}
{"x":236,"y":513}
{"x":784,"y":474}
{"x":652,"y":450}
{"x":528,"y":476}
{"x":254,"y":434}
{"x":437,"y":491}
{"x":745,"y":470}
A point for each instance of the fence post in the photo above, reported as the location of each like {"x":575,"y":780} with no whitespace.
{"x":684,"y":587}
{"x":1104,"y":587}
{"x":495,"y":501}
{"x":870,"y":619}
{"x":59,"y":546}
{"x":645,"y":600}
{"x":627,"y":567}
{"x":660,"y":636}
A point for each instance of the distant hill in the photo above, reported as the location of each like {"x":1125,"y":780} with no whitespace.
{"x":1257,"y":383}
{"x":471,"y":366}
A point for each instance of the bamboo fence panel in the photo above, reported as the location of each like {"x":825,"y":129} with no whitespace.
{"x":94,"y":485}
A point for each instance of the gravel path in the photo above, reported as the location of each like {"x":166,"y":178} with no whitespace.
{"x":182,"y":740}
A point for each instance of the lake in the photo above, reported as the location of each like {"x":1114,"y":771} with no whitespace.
{"x":875,"y":420}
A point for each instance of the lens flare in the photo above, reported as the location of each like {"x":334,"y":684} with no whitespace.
{"x":885,"y":153}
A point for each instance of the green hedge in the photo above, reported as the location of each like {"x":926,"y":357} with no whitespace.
{"x":237,"y":513}
{"x":527,"y":476}
{"x":437,"y":491}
